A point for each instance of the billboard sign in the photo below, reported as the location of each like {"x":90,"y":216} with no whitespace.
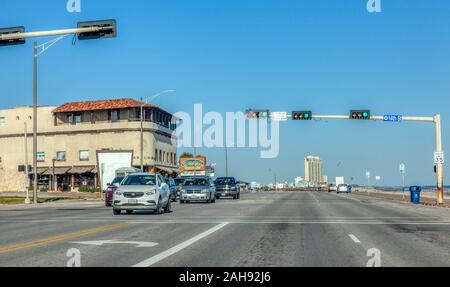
{"x":193,"y":164}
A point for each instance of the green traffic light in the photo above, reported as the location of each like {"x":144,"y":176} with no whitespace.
{"x":365,"y":115}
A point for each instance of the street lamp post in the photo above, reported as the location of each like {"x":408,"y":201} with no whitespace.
{"x":142,"y":111}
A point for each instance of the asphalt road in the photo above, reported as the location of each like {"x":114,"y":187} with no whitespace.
{"x":274,"y":229}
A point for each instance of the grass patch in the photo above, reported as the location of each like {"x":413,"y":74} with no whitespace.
{"x":8,"y":200}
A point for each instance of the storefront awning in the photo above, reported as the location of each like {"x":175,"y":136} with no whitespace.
{"x":58,"y":171}
{"x":165,"y":169}
{"x":41,"y":170}
{"x":81,"y":169}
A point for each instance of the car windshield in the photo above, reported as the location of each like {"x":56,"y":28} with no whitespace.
{"x":140,"y":180}
{"x":225,"y":181}
{"x":179,"y":181}
{"x":196,"y":182}
{"x":117,"y":180}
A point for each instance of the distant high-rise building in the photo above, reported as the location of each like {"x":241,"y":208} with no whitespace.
{"x":313,"y":170}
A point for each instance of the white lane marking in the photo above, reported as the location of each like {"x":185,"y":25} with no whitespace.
{"x":102,"y":242}
{"x":354,"y":238}
{"x":155,"y":259}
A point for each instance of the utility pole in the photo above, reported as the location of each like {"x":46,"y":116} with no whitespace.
{"x":195,"y":156}
{"x":226,"y":159}
{"x":35,"y":175}
{"x":142,"y":135}
{"x":27,"y":180}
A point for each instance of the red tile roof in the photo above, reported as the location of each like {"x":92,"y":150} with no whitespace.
{"x":100,"y":105}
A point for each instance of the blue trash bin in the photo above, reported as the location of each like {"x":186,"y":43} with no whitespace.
{"x":415,"y":194}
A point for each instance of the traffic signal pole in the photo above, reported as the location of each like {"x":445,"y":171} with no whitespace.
{"x":439,"y":166}
{"x":36,"y":54}
{"x":18,"y":36}
{"x":438,"y":134}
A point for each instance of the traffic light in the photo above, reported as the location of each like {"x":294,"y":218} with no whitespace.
{"x":258,"y":114}
{"x":302,"y":116}
{"x":14,"y":30}
{"x":109,"y":30}
{"x":360,"y":115}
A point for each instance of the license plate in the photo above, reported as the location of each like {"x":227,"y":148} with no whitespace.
{"x":132,"y":201}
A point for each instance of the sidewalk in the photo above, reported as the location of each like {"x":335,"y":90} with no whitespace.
{"x":428,"y":199}
{"x":72,"y":195}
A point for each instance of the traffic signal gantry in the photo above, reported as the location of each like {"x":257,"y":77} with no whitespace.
{"x":17,"y":36}
{"x":366,"y":115}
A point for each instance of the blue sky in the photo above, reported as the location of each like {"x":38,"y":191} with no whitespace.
{"x":328,"y":56}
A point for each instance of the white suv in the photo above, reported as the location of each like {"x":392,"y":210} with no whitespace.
{"x":142,"y":191}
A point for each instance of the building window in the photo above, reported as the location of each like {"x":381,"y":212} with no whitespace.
{"x":160,"y":156}
{"x":156,"y":155}
{"x":114,"y":116}
{"x":2,"y":122}
{"x":40,"y":156}
{"x":61,"y":156}
{"x":74,"y":119}
{"x":84,"y":155}
{"x":77,"y":120}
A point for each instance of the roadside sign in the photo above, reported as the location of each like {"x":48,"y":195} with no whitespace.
{"x":439,"y":158}
{"x":402,"y":168}
{"x":368,"y":174}
{"x":279,"y":116}
{"x":393,"y":118}
{"x":378,"y":178}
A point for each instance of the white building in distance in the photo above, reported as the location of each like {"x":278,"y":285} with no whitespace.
{"x":314,"y":170}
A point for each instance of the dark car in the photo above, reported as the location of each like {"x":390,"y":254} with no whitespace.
{"x":227,"y":187}
{"x":109,"y":194}
{"x":173,"y":189}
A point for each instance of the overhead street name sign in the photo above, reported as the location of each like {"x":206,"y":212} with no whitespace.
{"x":279,"y":116}
{"x":393,"y":118}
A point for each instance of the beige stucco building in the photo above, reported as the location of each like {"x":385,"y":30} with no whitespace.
{"x":70,"y":136}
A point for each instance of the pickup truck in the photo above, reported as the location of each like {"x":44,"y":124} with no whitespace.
{"x":227,"y":187}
